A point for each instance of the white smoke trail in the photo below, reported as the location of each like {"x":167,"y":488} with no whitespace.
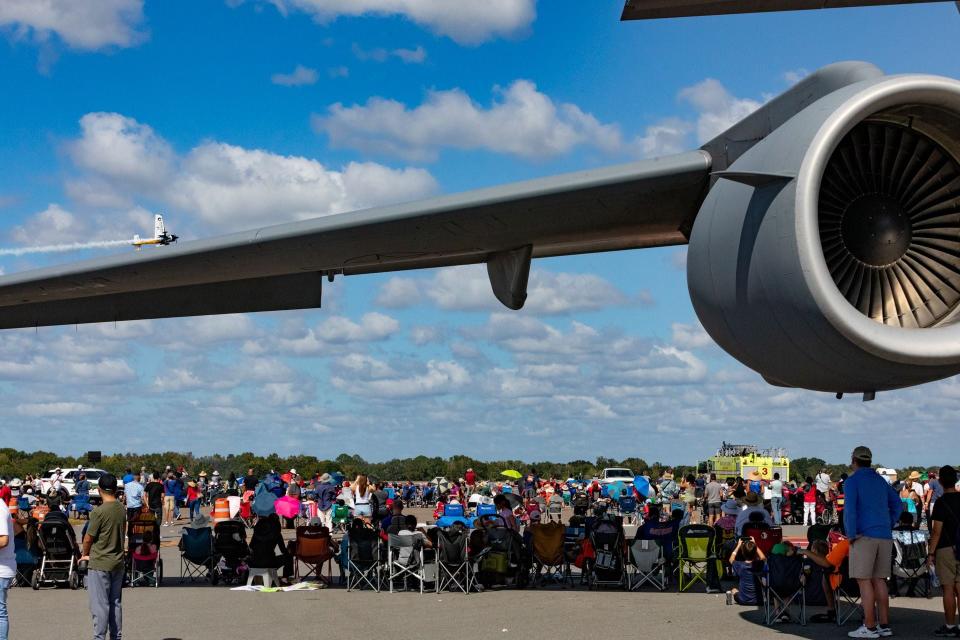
{"x":58,"y":248}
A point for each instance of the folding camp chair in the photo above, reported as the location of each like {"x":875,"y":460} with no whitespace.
{"x":363,"y":560}
{"x":313,"y":547}
{"x":453,"y":562}
{"x":725,"y":541}
{"x":340,"y":517}
{"x":764,"y":535}
{"x":26,"y":561}
{"x":628,"y":509}
{"x":910,"y":575}
{"x":847,"y":596}
{"x":608,"y":568}
{"x":555,"y":508}
{"x":784,"y":584}
{"x":405,"y":560}
{"x":196,"y":554}
{"x":648,"y":565}
{"x":549,"y":560}
{"x":572,"y":538}
{"x":696,"y":551}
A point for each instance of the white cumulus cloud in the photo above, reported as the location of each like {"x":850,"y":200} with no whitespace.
{"x":717,"y":108}
{"x":227,"y":186}
{"x":521,"y":121}
{"x":81,"y":24}
{"x":468,"y":23}
{"x":300,"y":76}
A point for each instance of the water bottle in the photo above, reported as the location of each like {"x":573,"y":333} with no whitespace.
{"x":934,"y":580}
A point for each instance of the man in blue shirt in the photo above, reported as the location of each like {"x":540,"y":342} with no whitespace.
{"x":871,"y":511}
{"x":133,"y":495}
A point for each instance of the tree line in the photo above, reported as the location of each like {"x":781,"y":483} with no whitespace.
{"x":15,"y":463}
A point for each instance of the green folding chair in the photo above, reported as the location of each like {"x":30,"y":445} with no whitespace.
{"x":696,"y":553}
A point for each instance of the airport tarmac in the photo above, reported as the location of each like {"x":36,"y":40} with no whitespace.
{"x":204,"y":612}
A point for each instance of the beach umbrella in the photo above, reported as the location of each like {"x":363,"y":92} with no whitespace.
{"x":642,"y":485}
{"x":615,"y":489}
{"x":512,"y":473}
{"x":443,"y":485}
{"x":513,"y":500}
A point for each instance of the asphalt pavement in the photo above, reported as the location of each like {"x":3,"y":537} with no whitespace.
{"x":204,"y":612}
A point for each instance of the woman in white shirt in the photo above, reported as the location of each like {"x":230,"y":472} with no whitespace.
{"x":362,"y":495}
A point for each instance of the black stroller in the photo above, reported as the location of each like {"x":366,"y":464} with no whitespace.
{"x":502,"y":560}
{"x":60,"y":553}
{"x":230,"y":552}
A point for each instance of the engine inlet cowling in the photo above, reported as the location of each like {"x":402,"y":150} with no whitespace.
{"x":836,"y":267}
{"x":889,"y":214}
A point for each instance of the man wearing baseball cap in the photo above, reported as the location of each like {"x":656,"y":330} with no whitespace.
{"x":103,"y":549}
{"x":871,"y":511}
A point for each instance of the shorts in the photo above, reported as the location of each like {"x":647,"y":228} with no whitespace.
{"x":713,"y":509}
{"x":362,"y":510}
{"x":871,"y":558}
{"x":948,"y":567}
{"x":168,"y":502}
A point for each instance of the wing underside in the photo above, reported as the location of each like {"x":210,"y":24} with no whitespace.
{"x":642,"y":204}
{"x":653,"y":9}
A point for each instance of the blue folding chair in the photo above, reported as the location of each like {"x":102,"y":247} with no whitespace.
{"x":196,"y":554}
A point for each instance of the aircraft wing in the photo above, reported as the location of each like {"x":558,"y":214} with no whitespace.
{"x":652,"y":9}
{"x":642,"y":204}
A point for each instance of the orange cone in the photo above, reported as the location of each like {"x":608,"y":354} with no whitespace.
{"x":221,"y":510}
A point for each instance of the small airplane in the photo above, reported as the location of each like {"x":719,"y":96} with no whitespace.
{"x":160,"y":235}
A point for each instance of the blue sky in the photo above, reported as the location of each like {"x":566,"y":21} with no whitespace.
{"x":229,"y":115}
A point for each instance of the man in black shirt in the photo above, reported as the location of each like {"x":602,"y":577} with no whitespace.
{"x":154,"y":491}
{"x":943,"y":552}
{"x":250,"y":482}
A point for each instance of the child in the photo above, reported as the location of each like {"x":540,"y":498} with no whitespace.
{"x":744,"y":560}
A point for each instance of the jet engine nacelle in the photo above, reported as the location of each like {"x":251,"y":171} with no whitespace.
{"x":828,"y":255}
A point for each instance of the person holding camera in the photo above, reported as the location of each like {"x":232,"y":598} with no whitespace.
{"x":103,"y":555}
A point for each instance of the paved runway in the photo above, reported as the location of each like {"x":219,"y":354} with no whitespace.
{"x":203,"y":612}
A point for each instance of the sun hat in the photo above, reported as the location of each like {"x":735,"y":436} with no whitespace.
{"x":914,"y":475}
{"x":191,"y":483}
{"x":730,"y":507}
{"x":325,"y":478}
{"x":293,"y":471}
{"x":754,"y":475}
{"x":203,"y":474}
{"x":751,"y":498}
{"x":200,"y":522}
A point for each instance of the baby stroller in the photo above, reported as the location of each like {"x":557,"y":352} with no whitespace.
{"x":58,"y":562}
{"x":501,"y":560}
{"x":608,"y":566}
{"x":144,"y":565}
{"x":230,"y":552}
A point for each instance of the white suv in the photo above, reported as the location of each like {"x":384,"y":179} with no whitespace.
{"x":69,"y":478}
{"x":617,"y":474}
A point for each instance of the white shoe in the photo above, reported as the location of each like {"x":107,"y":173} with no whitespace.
{"x":884,"y":632}
{"x":864,"y":632}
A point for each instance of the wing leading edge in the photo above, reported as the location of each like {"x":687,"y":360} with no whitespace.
{"x":654,"y":9}
{"x":642,"y":204}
